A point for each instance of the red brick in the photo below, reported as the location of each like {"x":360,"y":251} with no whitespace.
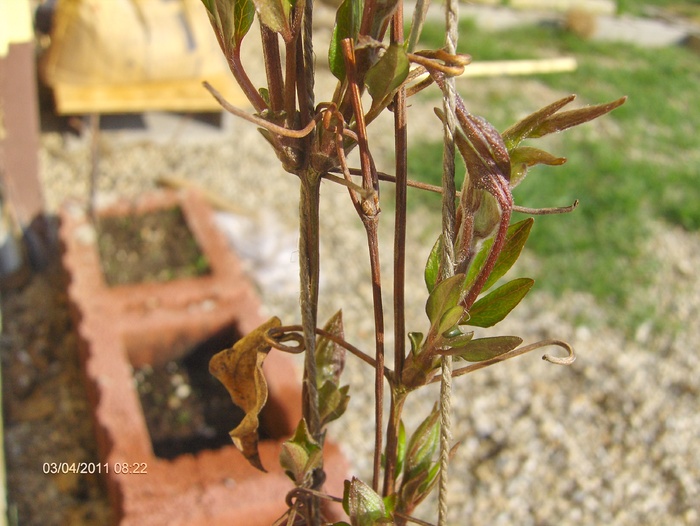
{"x":125,"y":327}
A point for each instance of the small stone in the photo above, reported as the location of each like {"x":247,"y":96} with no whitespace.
{"x":183,"y":391}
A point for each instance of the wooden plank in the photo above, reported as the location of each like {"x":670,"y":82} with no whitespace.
{"x":182,"y":95}
{"x":19,"y":136}
{"x":598,"y":7}
{"x":492,"y":68}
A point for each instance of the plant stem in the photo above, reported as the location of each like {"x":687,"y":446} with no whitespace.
{"x":371,"y":226}
{"x":290,"y":82}
{"x":401,"y":148}
{"x":236,"y":67}
{"x":309,"y":274}
{"x":369,"y":213}
{"x":273,"y":67}
{"x":309,"y":266}
{"x":501,"y":192}
{"x":392,"y":434}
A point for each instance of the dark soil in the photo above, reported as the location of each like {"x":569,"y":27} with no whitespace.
{"x":187,"y":410}
{"x":156,"y":246}
{"x":45,"y":408}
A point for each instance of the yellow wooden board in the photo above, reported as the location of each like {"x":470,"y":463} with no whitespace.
{"x":181,"y":95}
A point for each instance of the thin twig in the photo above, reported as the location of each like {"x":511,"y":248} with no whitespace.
{"x":259,"y":121}
{"x":546,"y":211}
{"x":340,"y":152}
{"x":293,"y":494}
{"x":567,"y":360}
{"x":349,"y":184}
{"x":438,"y":190}
{"x":288,"y":333}
{"x":414,"y":520}
{"x":369,"y":214}
{"x":401,"y":165}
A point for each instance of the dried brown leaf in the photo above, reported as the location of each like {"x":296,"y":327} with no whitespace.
{"x":239,"y":369}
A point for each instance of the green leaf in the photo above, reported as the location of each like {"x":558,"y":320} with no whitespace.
{"x":231,"y":19}
{"x":496,"y":305}
{"x":301,"y":455}
{"x":416,"y":339}
{"x":522,"y":129}
{"x":347,"y":25}
{"x":243,"y":15}
{"x":390,"y":503}
{"x":523,"y":157}
{"x":332,"y":402}
{"x":445,"y":296}
{"x":429,"y":481}
{"x":330,"y":357}
{"x":423,"y":444}
{"x":400,"y":450}
{"x":485,"y":348}
{"x":568,"y":119}
{"x":364,"y":506}
{"x":516,"y":236}
{"x":384,"y":77}
{"x":275,"y":15}
{"x":420,"y":453}
{"x":452,"y":342}
{"x":432,"y":266}
{"x":450,"y":319}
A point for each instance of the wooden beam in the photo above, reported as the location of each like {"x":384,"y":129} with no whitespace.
{"x":182,"y":95}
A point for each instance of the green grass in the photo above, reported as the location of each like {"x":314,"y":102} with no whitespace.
{"x":688,"y":8}
{"x":639,"y":164}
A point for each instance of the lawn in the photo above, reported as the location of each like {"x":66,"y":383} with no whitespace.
{"x":639,"y":165}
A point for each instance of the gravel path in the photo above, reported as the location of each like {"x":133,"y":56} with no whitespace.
{"x":609,"y":440}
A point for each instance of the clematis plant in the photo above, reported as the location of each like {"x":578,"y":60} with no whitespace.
{"x":477,"y":246}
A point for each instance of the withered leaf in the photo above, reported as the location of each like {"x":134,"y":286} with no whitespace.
{"x":239,"y":368}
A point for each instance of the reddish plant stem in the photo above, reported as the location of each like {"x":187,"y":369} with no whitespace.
{"x":305,"y":111}
{"x":371,"y":226}
{"x":236,"y":67}
{"x":401,"y":149}
{"x":273,"y":67}
{"x":290,"y":82}
{"x":501,"y":191}
{"x":369,"y":214}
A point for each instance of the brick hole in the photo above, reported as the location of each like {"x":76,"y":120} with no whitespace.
{"x":186,"y":409}
{"x":152,"y":246}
